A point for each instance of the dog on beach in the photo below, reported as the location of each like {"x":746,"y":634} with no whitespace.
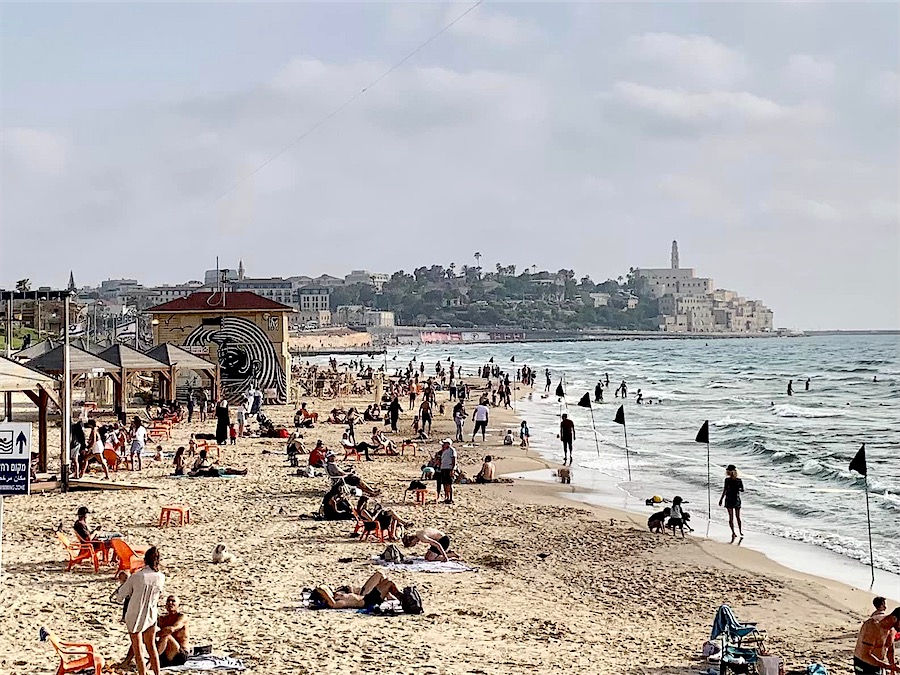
{"x":222,"y":555}
{"x":564,"y":475}
{"x":657,"y":521}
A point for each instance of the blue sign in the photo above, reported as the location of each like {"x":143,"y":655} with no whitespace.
{"x":15,"y":458}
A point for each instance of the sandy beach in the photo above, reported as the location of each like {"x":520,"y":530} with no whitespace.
{"x":609,"y":598}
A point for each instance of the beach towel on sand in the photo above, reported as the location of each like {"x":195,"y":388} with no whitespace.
{"x":387,"y":607}
{"x":209,"y":662}
{"x":422,"y":565}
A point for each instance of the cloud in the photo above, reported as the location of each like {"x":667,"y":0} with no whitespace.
{"x":695,"y":60}
{"x":806,"y":72}
{"x":719,"y":108}
{"x":885,"y":87}
{"x":796,"y":206}
{"x":494,"y":28}
{"x":34,"y":150}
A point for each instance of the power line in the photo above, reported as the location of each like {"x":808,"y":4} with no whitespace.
{"x":350,"y":100}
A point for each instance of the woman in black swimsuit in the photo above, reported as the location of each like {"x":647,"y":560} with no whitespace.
{"x":731,"y":496}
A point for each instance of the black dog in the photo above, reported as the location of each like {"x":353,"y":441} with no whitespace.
{"x":657,"y":521}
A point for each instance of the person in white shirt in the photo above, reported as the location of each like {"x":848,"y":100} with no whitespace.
{"x":480,"y":415}
{"x":139,"y":437}
{"x":143,"y":590}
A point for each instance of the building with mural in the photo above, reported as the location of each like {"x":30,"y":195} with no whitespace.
{"x":246,"y":334}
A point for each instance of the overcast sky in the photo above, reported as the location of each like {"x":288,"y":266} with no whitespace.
{"x":762,"y":136}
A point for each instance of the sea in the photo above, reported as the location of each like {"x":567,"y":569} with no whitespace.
{"x":792,"y":452}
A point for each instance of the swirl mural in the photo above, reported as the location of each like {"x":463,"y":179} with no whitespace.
{"x":247,"y":358}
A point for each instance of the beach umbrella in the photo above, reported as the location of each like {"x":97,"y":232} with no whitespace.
{"x":703,"y":437}
{"x":585,"y":402}
{"x":620,"y":419}
{"x":858,"y":464}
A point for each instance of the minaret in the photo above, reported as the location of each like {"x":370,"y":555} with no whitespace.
{"x":241,"y":270}
{"x":72,"y":287}
{"x":674,"y":255}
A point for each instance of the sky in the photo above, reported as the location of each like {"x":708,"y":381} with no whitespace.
{"x":762,"y":136}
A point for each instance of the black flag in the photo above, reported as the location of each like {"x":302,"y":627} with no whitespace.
{"x":585,"y":401}
{"x":560,"y":391}
{"x":859,"y":462}
{"x":491,"y":360}
{"x":703,"y":434}
{"x":513,"y":359}
{"x":620,"y":416}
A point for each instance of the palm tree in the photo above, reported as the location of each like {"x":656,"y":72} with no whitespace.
{"x":23,"y":285}
{"x":500,"y":269}
{"x":451,"y":273}
{"x":478,"y":258}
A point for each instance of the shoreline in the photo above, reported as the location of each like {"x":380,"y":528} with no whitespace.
{"x":606,"y":595}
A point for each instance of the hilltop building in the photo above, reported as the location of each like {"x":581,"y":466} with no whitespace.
{"x":689,"y":304}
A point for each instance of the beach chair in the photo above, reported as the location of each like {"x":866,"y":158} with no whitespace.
{"x":351,"y":451}
{"x":738,"y":660}
{"x":314,"y":416}
{"x":80,"y":553}
{"x":161,"y":428}
{"x":408,"y":444}
{"x":130,"y":559}
{"x":112,"y":459}
{"x":366,"y":532}
{"x":74,"y":656}
{"x":736,"y":633}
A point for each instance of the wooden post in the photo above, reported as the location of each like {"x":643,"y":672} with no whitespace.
{"x":42,"y":430}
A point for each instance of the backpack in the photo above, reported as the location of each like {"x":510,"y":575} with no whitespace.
{"x":411,"y":601}
{"x":416,"y":485}
{"x":816,"y":669}
{"x":392,"y":554}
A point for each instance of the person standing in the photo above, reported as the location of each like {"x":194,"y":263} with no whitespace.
{"x":204,"y":404}
{"x":790,"y":388}
{"x":190,"y":407}
{"x":567,"y":436}
{"x":223,"y":421}
{"x":547,"y":375}
{"x":449,"y":460}
{"x":143,"y":590}
{"x":874,"y":652}
{"x":598,"y":392}
{"x":807,"y":384}
{"x":139,"y":437}
{"x":480,"y":416}
{"x":731,"y":496}
{"x":459,"y":417}
{"x":394,"y":412}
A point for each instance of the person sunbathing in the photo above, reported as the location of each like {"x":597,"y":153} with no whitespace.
{"x":376,"y":590}
{"x":438,"y":543}
{"x":488,"y":471}
{"x":205,"y":468}
{"x":381,"y":442}
{"x":372,"y":513}
{"x":347,"y":477}
{"x":336,"y":417}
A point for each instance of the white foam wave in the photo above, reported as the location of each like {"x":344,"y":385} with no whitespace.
{"x":730,"y":421}
{"x":797,"y":411}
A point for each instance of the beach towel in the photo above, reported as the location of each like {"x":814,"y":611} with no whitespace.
{"x":387,"y":607}
{"x":209,"y":662}
{"x":422,"y":565}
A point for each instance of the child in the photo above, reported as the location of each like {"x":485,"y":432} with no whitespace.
{"x":158,"y":455}
{"x":232,"y":433}
{"x":523,"y":434}
{"x":508,"y":438}
{"x":192,"y":446}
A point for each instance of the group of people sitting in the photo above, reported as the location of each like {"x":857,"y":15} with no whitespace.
{"x":203,"y":466}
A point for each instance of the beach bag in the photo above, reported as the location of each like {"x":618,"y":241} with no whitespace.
{"x":816,"y":669}
{"x":411,"y":601}
{"x":392,"y":554}
{"x":710,"y":649}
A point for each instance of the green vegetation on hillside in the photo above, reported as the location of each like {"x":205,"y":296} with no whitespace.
{"x":471,"y":297}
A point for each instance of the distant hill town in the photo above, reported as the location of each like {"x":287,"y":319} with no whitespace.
{"x":670,"y":299}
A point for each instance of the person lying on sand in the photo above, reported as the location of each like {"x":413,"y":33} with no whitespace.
{"x":438,"y":542}
{"x":376,"y":590}
{"x":205,"y":468}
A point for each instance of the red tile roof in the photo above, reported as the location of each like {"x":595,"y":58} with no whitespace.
{"x":212,"y":302}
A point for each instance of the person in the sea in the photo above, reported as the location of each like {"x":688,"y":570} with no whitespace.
{"x":731,"y":496}
{"x":790,"y":391}
{"x":807,"y":384}
{"x":640,"y":396}
{"x":438,"y":544}
{"x":598,"y":392}
{"x":376,"y":590}
{"x":874,"y":653}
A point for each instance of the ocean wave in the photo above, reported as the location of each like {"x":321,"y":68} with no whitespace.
{"x":798,"y":411}
{"x":730,"y":421}
{"x":722,"y":385}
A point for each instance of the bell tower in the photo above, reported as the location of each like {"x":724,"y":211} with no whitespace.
{"x":674,"y":255}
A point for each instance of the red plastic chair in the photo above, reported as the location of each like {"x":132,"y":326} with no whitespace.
{"x":130,"y":559}
{"x":74,"y":656}
{"x":80,"y":553}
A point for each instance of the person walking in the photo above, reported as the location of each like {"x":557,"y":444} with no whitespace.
{"x":142,"y":590}
{"x":480,"y":416}
{"x":449,"y":459}
{"x":394,"y":412}
{"x":567,"y":436}
{"x":223,"y":421}
{"x":731,"y":496}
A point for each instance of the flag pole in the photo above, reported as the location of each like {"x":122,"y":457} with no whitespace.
{"x":627,"y":455}
{"x":594,"y":429}
{"x":869,"y":524}
{"x":708,"y":485}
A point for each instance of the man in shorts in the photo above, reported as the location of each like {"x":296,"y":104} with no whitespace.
{"x":480,"y":415}
{"x":172,"y":635}
{"x":874,"y":653}
{"x":567,"y":436}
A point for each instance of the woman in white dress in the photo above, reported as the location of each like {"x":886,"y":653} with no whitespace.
{"x":142,"y":590}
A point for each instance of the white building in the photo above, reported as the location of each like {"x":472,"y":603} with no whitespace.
{"x":273,"y":288}
{"x":378,"y":319}
{"x":376,"y":279}
{"x":600,"y":299}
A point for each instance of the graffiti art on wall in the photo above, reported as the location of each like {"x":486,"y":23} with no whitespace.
{"x":247,"y":358}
